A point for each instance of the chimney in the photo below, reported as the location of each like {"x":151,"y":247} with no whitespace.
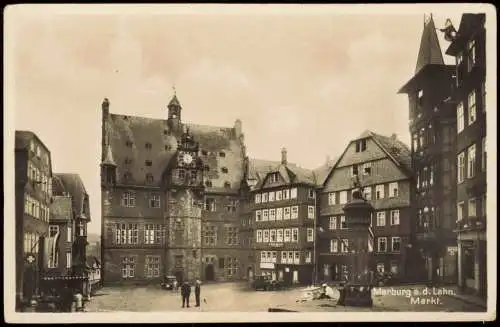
{"x":394,"y":136}
{"x":283,"y":156}
{"x":105,"y":108}
{"x":237,"y":128}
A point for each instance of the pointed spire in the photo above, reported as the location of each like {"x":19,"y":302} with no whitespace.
{"x":430,"y":50}
{"x":174,"y":101}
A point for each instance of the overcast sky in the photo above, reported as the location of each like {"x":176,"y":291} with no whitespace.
{"x":309,"y":81}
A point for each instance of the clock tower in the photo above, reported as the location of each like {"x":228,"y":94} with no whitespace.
{"x":185,"y":196}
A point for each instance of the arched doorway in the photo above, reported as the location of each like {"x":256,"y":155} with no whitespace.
{"x":250,"y":273}
{"x":209,"y":272}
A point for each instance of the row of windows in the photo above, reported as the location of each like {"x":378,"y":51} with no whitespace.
{"x":427,"y":217}
{"x":423,"y":138}
{"x":276,"y":196}
{"x":282,"y":213}
{"x":53,"y":260}
{"x":341,"y":197}
{"x":339,"y":222}
{"x":31,"y":243}
{"x":128,"y":200}
{"x":287,"y":257}
{"x":425,"y":176}
{"x":466,"y":161}
{"x":342,"y":245}
{"x":35,"y":175}
{"x":466,"y":119}
{"x":277,"y":235}
{"x":472,"y":209}
{"x":151,"y":267}
{"x":231,"y":235}
{"x":366,"y":169}
{"x":34,"y":208}
{"x":211,"y":205}
{"x":129,"y":234}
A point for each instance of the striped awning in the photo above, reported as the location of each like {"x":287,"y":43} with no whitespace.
{"x":64,"y":277}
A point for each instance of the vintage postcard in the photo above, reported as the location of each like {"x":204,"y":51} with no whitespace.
{"x":244,"y":163}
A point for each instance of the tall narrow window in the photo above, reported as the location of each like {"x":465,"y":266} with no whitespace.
{"x":381,"y":218}
{"x":393,"y":190}
{"x":472,"y":107}
{"x":460,"y":117}
{"x":472,"y":208}
{"x":333,"y":223}
{"x":331,"y":199}
{"x":379,"y":190}
{"x":461,"y":167}
{"x":343,"y":197}
{"x":471,"y":154}
{"x":460,"y":211}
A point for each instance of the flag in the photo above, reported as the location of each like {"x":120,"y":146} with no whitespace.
{"x":449,"y":31}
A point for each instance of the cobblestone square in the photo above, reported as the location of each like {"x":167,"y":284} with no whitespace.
{"x":237,"y":297}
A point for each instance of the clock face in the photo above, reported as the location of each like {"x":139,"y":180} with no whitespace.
{"x":187,"y":158}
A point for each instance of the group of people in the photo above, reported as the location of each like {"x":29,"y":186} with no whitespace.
{"x":186,"y":292}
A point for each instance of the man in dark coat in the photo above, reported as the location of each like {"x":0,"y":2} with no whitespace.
{"x":197,"y":289}
{"x":185,"y":293}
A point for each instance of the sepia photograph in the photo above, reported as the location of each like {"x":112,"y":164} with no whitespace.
{"x":245,"y":163}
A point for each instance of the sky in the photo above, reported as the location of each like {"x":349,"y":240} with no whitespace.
{"x":306,"y":80}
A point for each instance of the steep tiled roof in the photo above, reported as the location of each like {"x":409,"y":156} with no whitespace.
{"x":321,"y":173}
{"x":61,"y":207}
{"x":291,"y":173}
{"x":430,"y":51}
{"x":220,"y":149}
{"x":72,"y":184}
{"x":396,"y":149}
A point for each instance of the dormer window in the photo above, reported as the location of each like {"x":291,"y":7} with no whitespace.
{"x":224,"y":170}
{"x":128,"y":161}
{"x":361,"y":145}
{"x":128,"y":144}
{"x":148,"y":163}
{"x":227,"y":185}
{"x":149,"y":178}
{"x":222,"y":154}
{"x":149,"y":146}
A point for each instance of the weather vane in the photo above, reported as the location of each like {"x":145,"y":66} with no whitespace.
{"x":173,"y":88}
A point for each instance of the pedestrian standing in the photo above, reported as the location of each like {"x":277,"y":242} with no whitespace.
{"x":176,"y":286}
{"x":197,"y":290}
{"x":185,"y":293}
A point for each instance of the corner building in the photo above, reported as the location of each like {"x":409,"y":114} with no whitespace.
{"x":469,"y":100}
{"x":170,"y":198}
{"x":33,"y":174}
